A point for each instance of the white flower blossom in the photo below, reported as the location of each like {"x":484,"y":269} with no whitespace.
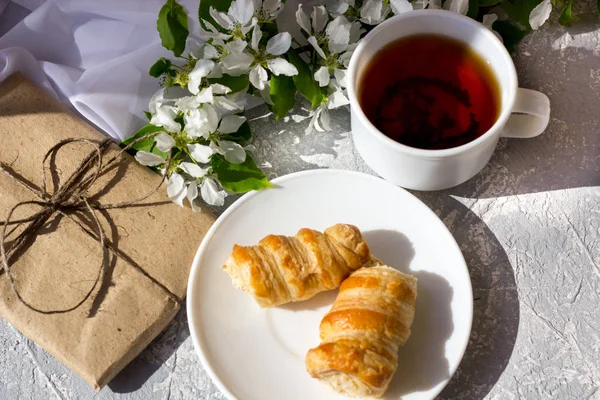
{"x":201,"y":70}
{"x":176,"y":188}
{"x":165,"y":117}
{"x":400,"y":6}
{"x":200,"y":152}
{"x":457,"y":6}
{"x":337,"y":40}
{"x":231,"y":151}
{"x":316,"y":24}
{"x":193,"y":170}
{"x":338,"y":7}
{"x":267,"y":10}
{"x":488,"y":22}
{"x":149,"y":159}
{"x":238,"y":20}
{"x":264,"y":58}
{"x":210,"y":192}
{"x":320,"y":120}
{"x":374,"y":12}
{"x":164,"y":142}
{"x":540,"y":14}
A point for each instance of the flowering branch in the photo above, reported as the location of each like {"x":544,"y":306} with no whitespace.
{"x":198,"y":112}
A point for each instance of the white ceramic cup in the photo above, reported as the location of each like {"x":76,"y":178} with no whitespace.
{"x":523,"y":113}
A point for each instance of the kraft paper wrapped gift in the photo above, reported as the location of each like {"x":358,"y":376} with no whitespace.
{"x":138,"y":286}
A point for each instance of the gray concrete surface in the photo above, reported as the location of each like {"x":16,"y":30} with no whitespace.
{"x":528,"y":225}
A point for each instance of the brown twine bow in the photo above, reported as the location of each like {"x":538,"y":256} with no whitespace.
{"x":69,"y":198}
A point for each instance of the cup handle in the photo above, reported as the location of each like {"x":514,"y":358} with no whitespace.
{"x":530,"y":115}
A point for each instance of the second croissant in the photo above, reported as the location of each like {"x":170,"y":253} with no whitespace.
{"x":282,"y":269}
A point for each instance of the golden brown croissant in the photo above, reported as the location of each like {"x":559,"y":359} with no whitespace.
{"x":283,"y":269}
{"x":360,"y":336}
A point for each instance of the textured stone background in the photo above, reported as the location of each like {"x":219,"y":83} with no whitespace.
{"x":528,"y":225}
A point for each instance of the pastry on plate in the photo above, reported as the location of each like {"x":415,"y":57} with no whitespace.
{"x":282,"y":269}
{"x":361,"y":334}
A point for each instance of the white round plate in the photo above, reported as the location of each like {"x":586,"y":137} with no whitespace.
{"x":258,"y":354}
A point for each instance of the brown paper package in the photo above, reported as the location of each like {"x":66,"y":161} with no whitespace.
{"x":127,"y":310}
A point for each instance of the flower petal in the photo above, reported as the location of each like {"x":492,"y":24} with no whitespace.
{"x":149,"y":159}
{"x":211,"y":194}
{"x":212,"y":118}
{"x":256,"y":36}
{"x":187,"y":103}
{"x":279,"y":43}
{"x":156,"y":100}
{"x":205,"y":95}
{"x":280,"y":66}
{"x":217,"y":88}
{"x":176,"y":188}
{"x":196,"y":123}
{"x":372,"y":12}
{"x":322,"y":76}
{"x":193,"y":170}
{"x":355,"y":31}
{"x":272,"y":6}
{"x":237,"y":63}
{"x":340,"y":76}
{"x":258,"y":77}
{"x":212,"y":32}
{"x":226,"y":104}
{"x":338,"y":7}
{"x":337,"y":99}
{"x":488,"y":20}
{"x":302,"y":20}
{"x":164,"y":142}
{"x":320,"y":17}
{"x":209,"y":52}
{"x":221,"y":18}
{"x":201,"y":70}
{"x":313,"y":41}
{"x":401,"y":6}
{"x":231,"y":123}
{"x":241,"y":11}
{"x":540,"y":14}
{"x":338,"y":33}
{"x":236,"y":46}
{"x":266,"y":93}
{"x":233,"y":152}
{"x":325,"y":120}
{"x":200,"y":152}
{"x":192,"y":194}
{"x":457,"y":6}
{"x":165,"y":117}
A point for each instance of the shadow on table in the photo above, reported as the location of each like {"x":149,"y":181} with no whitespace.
{"x":495,"y":306}
{"x":422,"y":361}
{"x":134,"y":375}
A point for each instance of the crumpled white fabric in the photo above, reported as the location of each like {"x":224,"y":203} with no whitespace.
{"x":93,"y":55}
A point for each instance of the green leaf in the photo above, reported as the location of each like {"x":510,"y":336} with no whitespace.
{"x":511,"y":34}
{"x":172,"y":27}
{"x":204,"y":11}
{"x":567,"y":17}
{"x":304,"y":81}
{"x":242,"y":135}
{"x":239,"y":178}
{"x":283,"y":95}
{"x":235,"y":83}
{"x":146,"y":144}
{"x":148,"y":115}
{"x":160,"y":67}
{"x":519,"y":10}
{"x":598,"y":6}
{"x":473,"y":11}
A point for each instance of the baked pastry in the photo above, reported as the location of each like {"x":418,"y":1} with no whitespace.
{"x":360,"y":336}
{"x":282,"y":269}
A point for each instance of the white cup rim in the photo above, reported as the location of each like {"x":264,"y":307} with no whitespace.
{"x":372,"y":129}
